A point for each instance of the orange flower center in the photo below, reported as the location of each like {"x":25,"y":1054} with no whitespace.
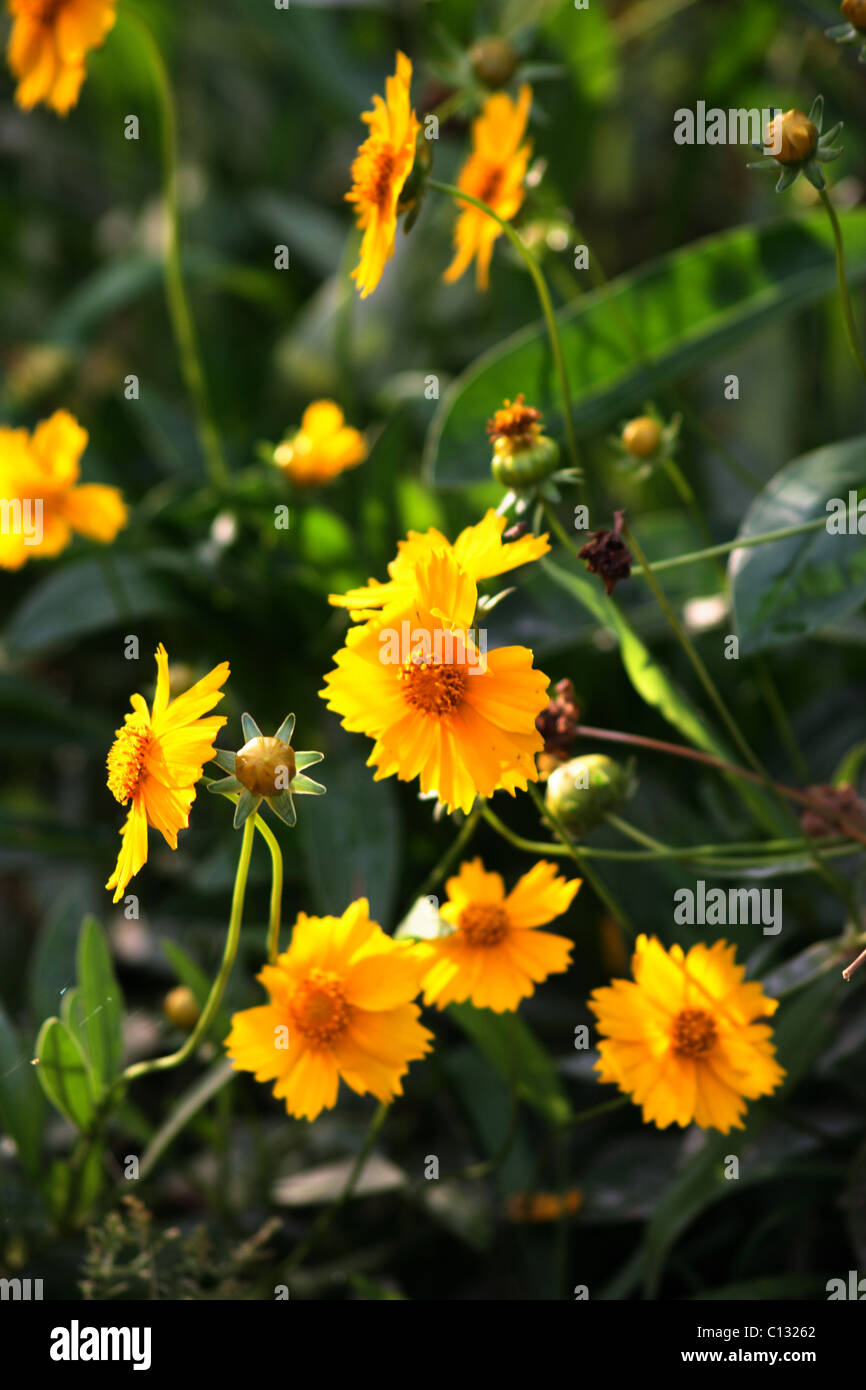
{"x":435,"y":689}
{"x":265,"y":766}
{"x":491,"y":185}
{"x":694,"y":1033}
{"x":373,"y":171}
{"x":483,"y":924}
{"x":515,"y":421}
{"x":126,"y":758}
{"x":318,"y":1008}
{"x":42,"y":11}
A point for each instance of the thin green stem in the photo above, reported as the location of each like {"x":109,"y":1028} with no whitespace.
{"x":179,"y":310}
{"x":454,"y":850}
{"x":844,"y":292}
{"x":601,"y":889}
{"x":174,"y":1059}
{"x":275,"y":913}
{"x":544,"y":300}
{"x":603,"y":1108}
{"x":694,"y":557}
{"x":326,"y":1217}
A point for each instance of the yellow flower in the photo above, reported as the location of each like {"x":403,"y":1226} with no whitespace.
{"x":683,"y":1039}
{"x":494,"y":172}
{"x":340,"y":1008}
{"x":155,"y":761}
{"x":381,"y":168}
{"x":460,"y":719}
{"x":49,"y":42}
{"x":322,"y":448}
{"x":478,"y":550}
{"x":39,"y":490}
{"x":495,"y":957}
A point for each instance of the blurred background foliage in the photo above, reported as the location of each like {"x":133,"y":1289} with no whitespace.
{"x":268,"y":105}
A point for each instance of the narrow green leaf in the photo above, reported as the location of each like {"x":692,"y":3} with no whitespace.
{"x":22,"y":1104}
{"x":102,"y":1003}
{"x":511,"y":1047}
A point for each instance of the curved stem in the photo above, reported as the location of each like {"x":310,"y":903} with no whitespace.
{"x":543,"y":298}
{"x":326,"y":1218}
{"x":174,"y":1059}
{"x":696,"y":556}
{"x":844,"y":292}
{"x":178,"y":305}
{"x":598,"y":883}
{"x":455,"y":849}
{"x":270,"y":840}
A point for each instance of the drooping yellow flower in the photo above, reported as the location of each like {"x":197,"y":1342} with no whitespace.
{"x":340,"y":1008}
{"x":478,"y":550}
{"x":41,"y":501}
{"x":48,"y":46}
{"x":683,"y":1039}
{"x":379,"y":172}
{"x":439,"y":705}
{"x":322,"y":448}
{"x":155,"y":761}
{"x":495,"y":957}
{"x":494,"y":172}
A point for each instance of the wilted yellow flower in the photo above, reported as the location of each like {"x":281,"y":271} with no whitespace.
{"x":381,"y":168}
{"x":495,"y":957}
{"x":478,"y":550}
{"x":322,"y":448}
{"x":494,"y":172}
{"x":155,"y":761}
{"x":683,"y":1038}
{"x":340,"y":1008}
{"x":440,"y":708}
{"x":40,"y":499}
{"x":48,"y":45}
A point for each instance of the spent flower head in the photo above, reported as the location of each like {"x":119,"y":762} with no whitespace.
{"x":266,"y":769}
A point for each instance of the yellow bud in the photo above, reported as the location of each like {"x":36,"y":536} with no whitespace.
{"x":642,"y":437}
{"x":798,"y":138}
{"x":181,"y":1009}
{"x":855,"y":13}
{"x":265,"y":766}
{"x":493,"y":60}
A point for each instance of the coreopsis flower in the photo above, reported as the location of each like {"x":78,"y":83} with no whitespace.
{"x":494,"y":173}
{"x":379,"y":173}
{"x":440,"y":707}
{"x":495,"y":956}
{"x":478,"y":550}
{"x":48,"y":45}
{"x":684,"y":1038}
{"x":267,"y":769}
{"x":796,"y":143}
{"x":322,"y":448}
{"x":39,"y":486}
{"x":155,"y":761}
{"x":340,"y":1008}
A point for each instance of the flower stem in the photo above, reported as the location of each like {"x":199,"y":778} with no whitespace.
{"x":326,"y":1218}
{"x":601,"y":889}
{"x":174,"y":1059}
{"x":179,"y":310}
{"x":844,"y":292}
{"x":544,"y":300}
{"x":455,"y":849}
{"x":696,"y":556}
{"x":270,"y":840}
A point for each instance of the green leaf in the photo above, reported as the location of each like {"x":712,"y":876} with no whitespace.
{"x":102,"y":1003}
{"x":351,"y":840}
{"x":22,"y":1105}
{"x":64,"y":1074}
{"x":678,"y":313}
{"x":511,"y":1047}
{"x":87,"y":596}
{"x":649,"y":680}
{"x":789,"y":588}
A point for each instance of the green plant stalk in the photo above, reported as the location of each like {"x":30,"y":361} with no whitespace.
{"x":844,"y":292}
{"x":270,"y":839}
{"x":694,"y":557}
{"x":544,"y":300}
{"x":326,"y":1218}
{"x":454,"y":850}
{"x":601,"y":889}
{"x":174,"y":1059}
{"x":179,"y":310}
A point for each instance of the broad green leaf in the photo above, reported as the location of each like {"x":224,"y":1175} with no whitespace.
{"x":351,"y":840}
{"x":22,"y":1104}
{"x":102,"y":1003}
{"x":789,"y":588}
{"x":510,"y":1046}
{"x":87,"y":596}
{"x":63,"y":1073}
{"x":654,"y":325}
{"x":650,"y":681}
